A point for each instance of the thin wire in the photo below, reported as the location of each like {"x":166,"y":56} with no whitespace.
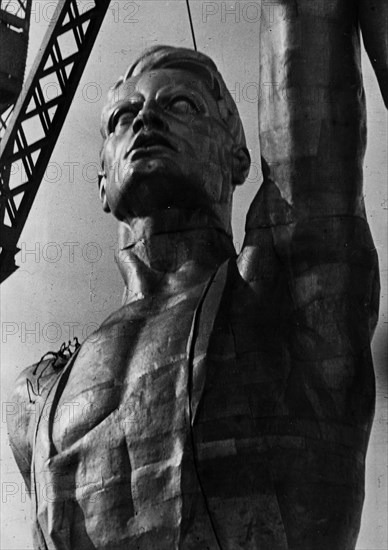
{"x":191,"y":25}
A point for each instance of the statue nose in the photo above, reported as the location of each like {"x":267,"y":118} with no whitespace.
{"x":149,"y":117}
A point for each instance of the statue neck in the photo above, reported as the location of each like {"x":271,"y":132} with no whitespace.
{"x":170,"y":253}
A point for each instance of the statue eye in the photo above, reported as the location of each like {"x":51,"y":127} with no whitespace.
{"x":182,"y":106}
{"x":123,"y":118}
{"x":121,"y":121}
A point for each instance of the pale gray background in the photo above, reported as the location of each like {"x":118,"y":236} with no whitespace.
{"x":69,"y":288}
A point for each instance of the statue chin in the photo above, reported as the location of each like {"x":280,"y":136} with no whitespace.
{"x":152,"y":186}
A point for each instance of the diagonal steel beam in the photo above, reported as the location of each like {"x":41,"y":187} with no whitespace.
{"x":15,"y":149}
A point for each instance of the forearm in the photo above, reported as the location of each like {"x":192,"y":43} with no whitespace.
{"x":312,"y":122}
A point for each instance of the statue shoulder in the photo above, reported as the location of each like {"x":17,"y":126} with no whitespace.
{"x":24,"y":406}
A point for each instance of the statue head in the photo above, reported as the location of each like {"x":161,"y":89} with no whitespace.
{"x":173,"y":138}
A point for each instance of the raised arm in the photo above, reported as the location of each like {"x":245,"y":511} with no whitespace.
{"x":306,"y":229}
{"x":312,"y":128}
{"x":309,"y":257}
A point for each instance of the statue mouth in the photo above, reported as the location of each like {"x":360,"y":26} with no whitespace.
{"x":148,"y":143}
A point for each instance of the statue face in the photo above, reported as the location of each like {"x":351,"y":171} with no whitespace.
{"x":167,"y":146}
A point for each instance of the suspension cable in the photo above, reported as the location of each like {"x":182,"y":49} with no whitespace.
{"x":191,"y":25}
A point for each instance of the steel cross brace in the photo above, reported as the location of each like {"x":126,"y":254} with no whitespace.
{"x":15,"y":16}
{"x":29,"y":156}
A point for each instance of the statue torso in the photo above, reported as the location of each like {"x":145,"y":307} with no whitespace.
{"x":126,"y":435}
{"x":120,"y":460}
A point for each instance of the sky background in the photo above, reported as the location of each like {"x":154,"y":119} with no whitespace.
{"x":68,"y":283}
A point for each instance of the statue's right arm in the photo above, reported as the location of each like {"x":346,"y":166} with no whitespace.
{"x":25,"y":404}
{"x":308,"y":220}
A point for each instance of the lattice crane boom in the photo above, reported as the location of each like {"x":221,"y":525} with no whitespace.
{"x":14,"y":30}
{"x":29,"y":140}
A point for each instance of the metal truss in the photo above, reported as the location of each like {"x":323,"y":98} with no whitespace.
{"x":37,"y":120}
{"x":15,"y":15}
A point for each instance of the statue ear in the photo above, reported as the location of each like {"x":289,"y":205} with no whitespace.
{"x":241,"y":165}
{"x":101,"y":185}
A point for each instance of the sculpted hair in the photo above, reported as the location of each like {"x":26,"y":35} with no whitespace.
{"x":197,"y":63}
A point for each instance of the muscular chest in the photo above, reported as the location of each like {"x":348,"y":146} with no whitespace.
{"x":125,"y":369}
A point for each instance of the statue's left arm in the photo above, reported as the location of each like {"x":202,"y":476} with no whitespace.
{"x":28,"y":399}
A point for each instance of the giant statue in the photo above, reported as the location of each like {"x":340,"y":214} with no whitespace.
{"x":228,"y":403}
